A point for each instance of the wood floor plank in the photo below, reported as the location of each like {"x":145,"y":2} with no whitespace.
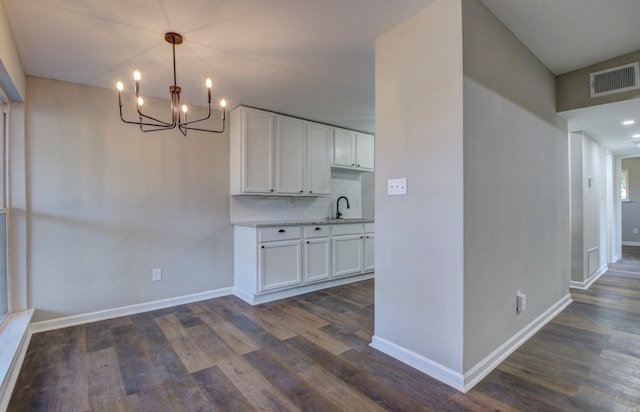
{"x":136,"y":369}
{"x":234,"y":337}
{"x":299,"y":392}
{"x":302,"y":315}
{"x":310,"y":330}
{"x":104,"y":379}
{"x":272,"y":321}
{"x":259,"y":392}
{"x":193,"y":352}
{"x":220,"y":391}
{"x":98,"y":334}
{"x":367,"y":384}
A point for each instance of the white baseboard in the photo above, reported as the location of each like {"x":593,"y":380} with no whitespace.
{"x":58,"y":323}
{"x":629,"y":243}
{"x":490,"y":362}
{"x":423,"y":364}
{"x":14,"y":341}
{"x":287,"y":293}
{"x":464,"y":382}
{"x":574,"y":284}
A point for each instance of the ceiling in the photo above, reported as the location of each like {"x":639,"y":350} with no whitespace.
{"x":312,"y":59}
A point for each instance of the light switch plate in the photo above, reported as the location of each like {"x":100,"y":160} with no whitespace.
{"x":397,"y":187}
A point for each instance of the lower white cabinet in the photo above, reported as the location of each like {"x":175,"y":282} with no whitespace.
{"x":279,"y":265}
{"x":271,"y":262}
{"x":347,"y":255}
{"x":369,"y":247}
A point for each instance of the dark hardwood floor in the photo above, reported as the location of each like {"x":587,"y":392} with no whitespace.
{"x":311,"y":353}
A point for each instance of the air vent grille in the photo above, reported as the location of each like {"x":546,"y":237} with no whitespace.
{"x":615,"y":80}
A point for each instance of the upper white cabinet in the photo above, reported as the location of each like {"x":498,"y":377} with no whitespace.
{"x":290,"y":155}
{"x":344,"y":148}
{"x":364,"y":151}
{"x":353,"y":150}
{"x":251,"y":150}
{"x":319,"y":145}
{"x":274,"y":154}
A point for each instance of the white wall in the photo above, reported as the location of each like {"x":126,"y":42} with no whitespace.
{"x":107,"y":203}
{"x":419,"y":237}
{"x":594,"y":214}
{"x":516,"y":202}
{"x":588,"y":208}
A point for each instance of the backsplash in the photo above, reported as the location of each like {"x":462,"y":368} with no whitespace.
{"x":264,"y":208}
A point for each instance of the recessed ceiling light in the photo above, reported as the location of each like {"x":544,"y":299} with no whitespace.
{"x":636,"y":136}
{"x":628,"y":122}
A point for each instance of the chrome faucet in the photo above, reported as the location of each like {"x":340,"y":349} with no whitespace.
{"x":338,"y":214}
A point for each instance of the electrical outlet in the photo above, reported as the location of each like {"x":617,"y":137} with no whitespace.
{"x":521,"y":301}
{"x":156,"y":274}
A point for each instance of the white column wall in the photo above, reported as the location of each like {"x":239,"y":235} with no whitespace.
{"x":419,"y":237}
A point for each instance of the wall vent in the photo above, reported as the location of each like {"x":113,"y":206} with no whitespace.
{"x":615,"y":80}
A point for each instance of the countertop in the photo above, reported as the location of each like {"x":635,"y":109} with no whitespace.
{"x":326,"y":221}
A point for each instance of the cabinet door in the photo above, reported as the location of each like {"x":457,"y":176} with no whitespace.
{"x":279,"y":265}
{"x":257,"y":152}
{"x":347,"y":255}
{"x":344,"y":148}
{"x":364,"y":151}
{"x":290,"y":158}
{"x":319,"y":140}
{"x":369,"y":251}
{"x":317,"y":264}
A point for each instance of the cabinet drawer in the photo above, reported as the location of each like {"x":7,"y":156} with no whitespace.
{"x":317,"y":231}
{"x":267,"y":234}
{"x":347,"y":229}
{"x":369,"y":227}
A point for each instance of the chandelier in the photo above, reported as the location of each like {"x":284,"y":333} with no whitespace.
{"x":179,"y":116}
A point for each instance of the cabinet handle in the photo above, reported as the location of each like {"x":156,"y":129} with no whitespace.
{"x":281,"y":231}
{"x":361,"y":237}
{"x":317,"y":228}
{"x":272,"y":190}
{"x":302,"y":191}
{"x":310,"y":191}
{"x":262,"y":246}
{"x":353,"y":164}
{"x":307,"y":242}
{"x":358,"y":166}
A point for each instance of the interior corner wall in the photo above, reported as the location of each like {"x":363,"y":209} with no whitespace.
{"x":109,"y":203}
{"x":631,"y":209}
{"x":419,"y":249}
{"x":516,"y":180}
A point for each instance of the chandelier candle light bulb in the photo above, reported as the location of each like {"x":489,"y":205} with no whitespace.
{"x":208,"y":83}
{"x":179,"y":120}
{"x":120,"y":87}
